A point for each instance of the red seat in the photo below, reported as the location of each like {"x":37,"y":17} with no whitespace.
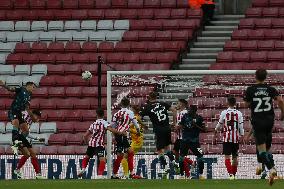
{"x":159,"y":66}
{"x":49,"y":150}
{"x":260,"y":3}
{"x":70,"y":4}
{"x":152,"y":3}
{"x":130,"y":36}
{"x":155,"y":46}
{"x":178,"y":13}
{"x":248,"y":45}
{"x":73,"y":69}
{"x":168,"y":4}
{"x":6,"y":4}
{"x":254,"y":12}
{"x":67,"y":103}
{"x":3,"y":15}
{"x":80,"y":150}
{"x":78,"y":81}
{"x":182,"y":4}
{"x":64,"y":14}
{"x":56,"y":47}
{"x":74,"y":115}
{"x":45,"y":14}
{"x":89,"y":47}
{"x":53,"y":4}
{"x":30,"y":58}
{"x":92,"y":68}
{"x":103,"y":4}
{"x":146,"y":35}
{"x":149,"y":58}
{"x":82,"y":103}
{"x":79,"y":14}
{"x":15,"y":58}
{"x":135,"y":4}
{"x":145,"y":14}
{"x":95,"y":56}
{"x":256,"y":34}
{"x":73,"y":91}
{"x":89,"y":115}
{"x":65,"y":127}
{"x":226,"y":57}
{"x":74,"y":139}
{"x":106,"y":47}
{"x":112,"y":14}
{"x":129,"y":14}
{"x":139,"y":46}
{"x":55,"y":115}
{"x":66,"y":150}
{"x":187,"y":24}
{"x":56,"y":91}
{"x":47,"y":81}
{"x":276,"y":3}
{"x":270,"y":12}
{"x":153,"y":24}
{"x":115,"y":58}
{"x":122,"y":47}
{"x":47,"y":59}
{"x":138,"y":24}
{"x":170,"y":24}
{"x":265,"y":45}
{"x":241,"y":56}
{"x":276,"y":56}
{"x":167,"y":57}
{"x":119,"y":3}
{"x":175,"y":46}
{"x":80,"y":58}
{"x":86,"y":4}
{"x":31,"y":15}
{"x":15,"y":15}
{"x":41,"y":92}
{"x":47,"y":104}
{"x":21,"y":4}
{"x":89,"y":92}
{"x":247,"y":23}
{"x":162,"y":14}
{"x":232,"y":46}
{"x":277,"y":23}
{"x":63,"y":58}
{"x":82,"y":126}
{"x":96,"y":14}
{"x":183,"y":35}
{"x":194,"y":13}
{"x":57,"y":139}
{"x":39,"y":47}
{"x":72,"y":46}
{"x":132,"y":58}
{"x":22,"y":48}
{"x":279,"y":45}
{"x":163,"y":35}
{"x":281,"y":12}
{"x":35,"y":103}
{"x":240,"y":34}
{"x":262,"y":23}
{"x":272,"y":34}
{"x":258,"y":56}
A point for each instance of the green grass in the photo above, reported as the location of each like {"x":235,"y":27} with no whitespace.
{"x":138,"y":184}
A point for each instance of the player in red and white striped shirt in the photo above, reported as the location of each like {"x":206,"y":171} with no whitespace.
{"x":122,"y":120}
{"x":231,"y":123}
{"x":96,"y":134}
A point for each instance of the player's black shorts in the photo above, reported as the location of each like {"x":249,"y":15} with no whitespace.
{"x":17,"y":136}
{"x":177,"y":145}
{"x":98,"y":151}
{"x":262,"y":130}
{"x":230,"y":148}
{"x":194,"y":147}
{"x":163,"y":138}
{"x":16,"y":115}
{"x":122,"y":144}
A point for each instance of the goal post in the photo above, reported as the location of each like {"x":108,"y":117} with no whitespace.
{"x":164,"y":73}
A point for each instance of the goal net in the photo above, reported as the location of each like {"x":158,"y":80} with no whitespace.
{"x":208,"y":90}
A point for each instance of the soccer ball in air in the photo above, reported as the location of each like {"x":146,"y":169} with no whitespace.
{"x":87,"y":75}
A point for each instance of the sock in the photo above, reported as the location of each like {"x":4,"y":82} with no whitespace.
{"x":102,"y":167}
{"x":130,"y":162}
{"x":85,"y":162}
{"x":116,"y":164}
{"x":234,"y":169}
{"x":267,"y":161}
{"x":228,"y":166}
{"x":35,"y":164}
{"x":186,"y":168}
{"x":162,"y":160}
{"x":270,"y":157}
{"x":125,"y":166}
{"x":170,"y":155}
{"x":189,"y":161}
{"x":181,"y":166}
{"x":22,"y":162}
{"x":200,"y":163}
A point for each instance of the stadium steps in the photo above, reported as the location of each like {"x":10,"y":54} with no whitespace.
{"x":210,"y":41}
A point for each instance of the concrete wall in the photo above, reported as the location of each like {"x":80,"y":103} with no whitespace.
{"x":233,"y":6}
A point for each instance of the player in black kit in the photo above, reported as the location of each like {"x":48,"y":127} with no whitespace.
{"x":259,"y":97}
{"x":158,"y":113}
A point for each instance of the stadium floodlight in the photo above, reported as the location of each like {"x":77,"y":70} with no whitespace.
{"x":174,"y":78}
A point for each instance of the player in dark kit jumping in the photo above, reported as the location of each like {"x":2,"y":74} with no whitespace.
{"x":259,"y":98}
{"x":158,"y":113}
{"x":192,"y":124}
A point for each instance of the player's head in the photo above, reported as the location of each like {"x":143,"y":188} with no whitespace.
{"x":192,"y":109}
{"x":36,"y":115}
{"x":135,"y":109}
{"x":152,"y":96}
{"x":231,"y":101}
{"x":125,"y":102}
{"x":100,"y":113}
{"x":260,"y":75}
{"x":30,"y":86}
{"x":182,"y":103}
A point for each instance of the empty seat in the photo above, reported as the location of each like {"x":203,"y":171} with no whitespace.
{"x":105,"y":25}
{"x":96,"y":14}
{"x":49,"y":150}
{"x":31,"y":36}
{"x":80,"y":150}
{"x":39,"y":47}
{"x":22,"y":70}
{"x":72,"y":25}
{"x":39,"y":26}
{"x":146,"y":14}
{"x":14,"y":81}
{"x":248,"y":45}
{"x":79,"y":14}
{"x":37,"y":4}
{"x":55,"y":25}
{"x":73,"y":91}
{"x":152,"y":3}
{"x":270,"y":12}
{"x":74,"y":139}
{"x":162,"y":14}
{"x":39,"y":69}
{"x":66,"y":150}
{"x":6,"y":4}
{"x":248,"y":23}
{"x":114,"y":35}
{"x":241,"y":56}
{"x":240,"y":34}
{"x":112,"y":14}
{"x":21,"y":4}
{"x":70,"y":4}
{"x":3,"y":58}
{"x":224,"y":57}
{"x":62,"y":14}
{"x":3,"y":37}
{"x":88,"y":25}
{"x":121,"y":25}
{"x":7,"y":26}
{"x":103,"y":4}
{"x":56,"y":92}
{"x":86,"y":4}
{"x":34,"y":78}
{"x":63,"y":36}
{"x":48,"y":127}
{"x":5,"y":139}
{"x":89,"y":47}
{"x":130,"y":36}
{"x":72,"y":47}
{"x":45,"y":14}
{"x":6,"y":47}
{"x":254,"y":12}
{"x":57,"y":139}
{"x":97,"y":36}
{"x":89,"y":115}
{"x":47,"y":36}
{"x":232,"y":46}
{"x":22,"y":26}
{"x":178,"y":13}
{"x":106,"y":47}
{"x":128,"y":14}
{"x":258,"y":56}
{"x":265,"y":45}
{"x":80,"y":36}
{"x":6,"y":69}
{"x":14,"y":36}
{"x":262,"y":23}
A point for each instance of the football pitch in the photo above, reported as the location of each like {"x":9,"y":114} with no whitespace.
{"x":139,"y":184}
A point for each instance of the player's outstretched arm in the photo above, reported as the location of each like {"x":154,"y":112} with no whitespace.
{"x":115,"y":131}
{"x":280,"y":102}
{"x":11,"y":89}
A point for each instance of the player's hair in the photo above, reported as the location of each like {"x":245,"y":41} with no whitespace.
{"x":30,"y":83}
{"x":153,"y":96}
{"x":261,"y":74}
{"x":136,"y":108}
{"x":184,"y":102}
{"x":231,"y":100}
{"x":192,"y":109}
{"x":37,"y":112}
{"x":100,"y":112}
{"x":125,"y":102}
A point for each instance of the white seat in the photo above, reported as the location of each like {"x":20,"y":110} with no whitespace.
{"x":14,"y":80}
{"x":80,"y":36}
{"x":14,"y":36}
{"x":55,"y":25}
{"x":5,"y":139}
{"x":34,"y":128}
{"x":2,"y":37}
{"x":63,"y":36}
{"x":105,"y":25}
{"x":34,"y":78}
{"x":2,"y":127}
{"x":3,"y":58}
{"x":6,"y":70}
{"x":121,"y":25}
{"x":48,"y":127}
{"x":72,"y":25}
{"x":39,"y":69}
{"x":6,"y":47}
{"x":9,"y":127}
{"x":39,"y":26}
{"x":7,"y":26}
{"x":3,"y":78}
{"x":23,"y":26}
{"x":31,"y":36}
{"x":22,"y":70}
{"x":88,"y":25}
{"x":47,"y":36}
{"x":45,"y":136}
{"x":114,"y":35}
{"x":97,"y":36}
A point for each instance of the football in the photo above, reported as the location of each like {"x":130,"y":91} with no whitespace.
{"x":87,"y":75}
